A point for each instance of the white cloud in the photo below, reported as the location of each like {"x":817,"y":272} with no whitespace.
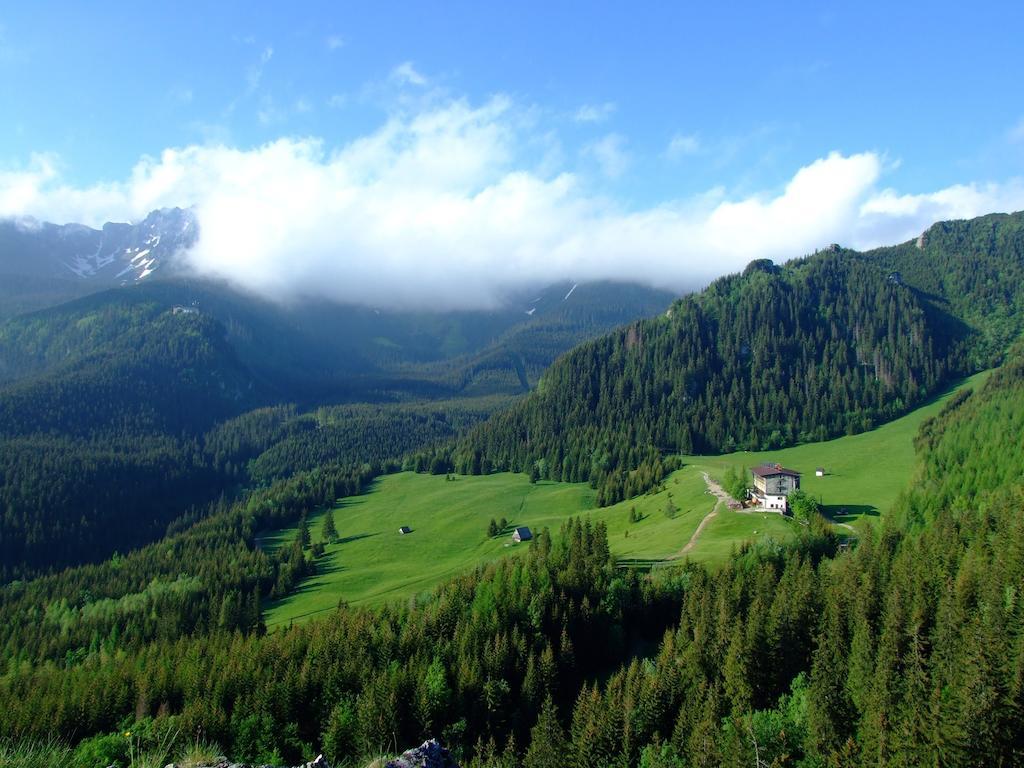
{"x":610,"y":154}
{"x":436,"y":209}
{"x":406,"y":74}
{"x":681,"y":145}
{"x":888,"y":211}
{"x":337,"y":101}
{"x":334,"y":42}
{"x":594,"y":113}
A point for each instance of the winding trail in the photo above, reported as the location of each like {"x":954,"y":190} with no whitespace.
{"x":696,"y":534}
{"x":832,"y":520}
{"x":716,"y":490}
{"x":722,"y":498}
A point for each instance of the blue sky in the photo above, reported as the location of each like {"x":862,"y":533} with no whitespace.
{"x":704,"y":111}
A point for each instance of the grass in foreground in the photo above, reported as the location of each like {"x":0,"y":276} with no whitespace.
{"x":34,"y":755}
{"x":118,"y":749}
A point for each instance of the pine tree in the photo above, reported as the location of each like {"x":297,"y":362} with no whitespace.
{"x":432,"y":696}
{"x":736,"y":674}
{"x":339,"y":735}
{"x":913,"y":739}
{"x":670,"y":509}
{"x":831,"y":712}
{"x":229,"y":610}
{"x":328,"y":532}
{"x":547,"y":740}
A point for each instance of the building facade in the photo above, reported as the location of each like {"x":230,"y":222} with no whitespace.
{"x":772,"y":485}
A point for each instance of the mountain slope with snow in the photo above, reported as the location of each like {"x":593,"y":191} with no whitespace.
{"x":43,"y":264}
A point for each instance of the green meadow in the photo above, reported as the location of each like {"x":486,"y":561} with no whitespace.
{"x":864,"y":474}
{"x":372,"y":563}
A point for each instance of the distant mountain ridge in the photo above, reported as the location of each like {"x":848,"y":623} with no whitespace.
{"x":43,"y":264}
{"x":116,"y":254}
{"x":316,"y":344}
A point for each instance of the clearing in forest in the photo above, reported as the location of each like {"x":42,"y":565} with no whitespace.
{"x":371,"y":563}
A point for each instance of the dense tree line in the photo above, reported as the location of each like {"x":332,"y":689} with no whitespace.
{"x":973,"y":445}
{"x":204,"y":576}
{"x":367,"y":432}
{"x":760,"y":360}
{"x":100,"y":453}
{"x":63,"y":501}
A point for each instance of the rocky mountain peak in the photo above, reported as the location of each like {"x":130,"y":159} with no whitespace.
{"x":118,"y":254}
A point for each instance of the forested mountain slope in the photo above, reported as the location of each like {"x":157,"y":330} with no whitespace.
{"x":907,"y":651}
{"x":972,"y":271}
{"x":316,"y":349}
{"x":100,"y":453}
{"x":834,"y":343}
{"x":124,"y":410}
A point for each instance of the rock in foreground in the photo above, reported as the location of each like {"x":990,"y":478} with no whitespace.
{"x":429,"y":754}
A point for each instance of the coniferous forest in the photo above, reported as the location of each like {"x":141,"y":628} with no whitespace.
{"x":833,"y":344}
{"x":134,"y":581}
{"x":909,"y":646}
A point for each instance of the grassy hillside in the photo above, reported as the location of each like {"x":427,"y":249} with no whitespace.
{"x":372,"y":563}
{"x":865,"y":473}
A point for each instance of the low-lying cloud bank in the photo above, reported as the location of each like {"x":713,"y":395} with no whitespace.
{"x":435,"y":210}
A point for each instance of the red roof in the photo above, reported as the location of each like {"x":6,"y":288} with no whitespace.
{"x":770,"y":470}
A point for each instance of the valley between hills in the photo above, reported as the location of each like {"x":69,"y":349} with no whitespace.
{"x":511,"y":385}
{"x":227,"y":527}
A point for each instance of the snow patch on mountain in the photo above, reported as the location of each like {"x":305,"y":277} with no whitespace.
{"x":117,"y":254}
